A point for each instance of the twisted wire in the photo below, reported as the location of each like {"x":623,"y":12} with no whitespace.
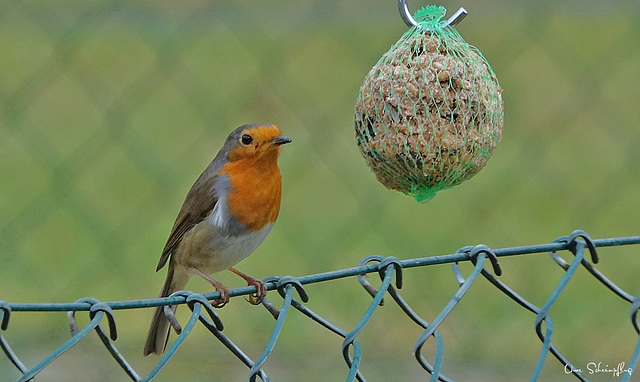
{"x":390,"y":271}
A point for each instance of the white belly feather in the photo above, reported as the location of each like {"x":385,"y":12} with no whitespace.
{"x":237,"y":248}
{"x":210,"y":246}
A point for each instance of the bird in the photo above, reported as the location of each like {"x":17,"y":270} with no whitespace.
{"x":227,"y":213}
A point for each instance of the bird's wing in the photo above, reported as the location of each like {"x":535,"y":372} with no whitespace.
{"x":197,"y":205}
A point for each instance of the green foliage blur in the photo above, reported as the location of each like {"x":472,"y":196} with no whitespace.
{"x":109,"y":110}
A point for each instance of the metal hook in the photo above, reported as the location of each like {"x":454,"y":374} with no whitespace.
{"x":411,"y":22}
{"x":5,"y":308}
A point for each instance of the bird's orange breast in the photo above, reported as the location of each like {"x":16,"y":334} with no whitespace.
{"x":256,"y":187}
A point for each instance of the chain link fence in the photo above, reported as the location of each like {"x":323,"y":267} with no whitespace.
{"x":390,"y":269}
{"x":109,"y":110}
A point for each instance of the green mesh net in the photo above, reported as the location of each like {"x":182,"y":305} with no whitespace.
{"x":430,"y":112}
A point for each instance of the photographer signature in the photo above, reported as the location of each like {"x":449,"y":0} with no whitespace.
{"x":598,"y":367}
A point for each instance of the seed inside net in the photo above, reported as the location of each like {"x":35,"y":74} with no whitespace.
{"x":430,"y":113}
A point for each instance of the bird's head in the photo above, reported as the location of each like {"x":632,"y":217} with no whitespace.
{"x":255,"y":141}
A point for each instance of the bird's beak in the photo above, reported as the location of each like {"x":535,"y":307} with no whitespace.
{"x":280,"y":140}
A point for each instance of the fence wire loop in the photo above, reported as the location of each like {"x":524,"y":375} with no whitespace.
{"x":197,"y":298}
{"x":170,"y":311}
{"x":282,"y":283}
{"x":95,"y":307}
{"x":579,"y":234}
{"x":395,"y":263}
{"x":71,"y":315}
{"x":455,"y":267}
{"x":384,"y":263}
{"x":275,"y":312}
{"x":5,"y":308}
{"x":571,"y":242}
{"x":362,"y":277}
{"x":483,"y":249}
{"x":106,"y":309}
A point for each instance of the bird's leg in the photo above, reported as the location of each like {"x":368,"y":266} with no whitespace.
{"x":261,"y":288}
{"x":224,"y":291}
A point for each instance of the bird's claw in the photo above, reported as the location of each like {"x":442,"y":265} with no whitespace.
{"x":260,"y":293}
{"x":223,"y":299}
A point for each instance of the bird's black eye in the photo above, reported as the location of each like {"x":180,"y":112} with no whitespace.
{"x":246,"y":139}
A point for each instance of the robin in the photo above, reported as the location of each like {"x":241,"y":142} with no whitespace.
{"x":226,"y":215}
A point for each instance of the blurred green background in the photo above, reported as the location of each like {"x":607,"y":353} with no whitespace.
{"x":109,"y":110}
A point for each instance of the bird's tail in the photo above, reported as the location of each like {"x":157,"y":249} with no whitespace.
{"x":159,"y":330}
